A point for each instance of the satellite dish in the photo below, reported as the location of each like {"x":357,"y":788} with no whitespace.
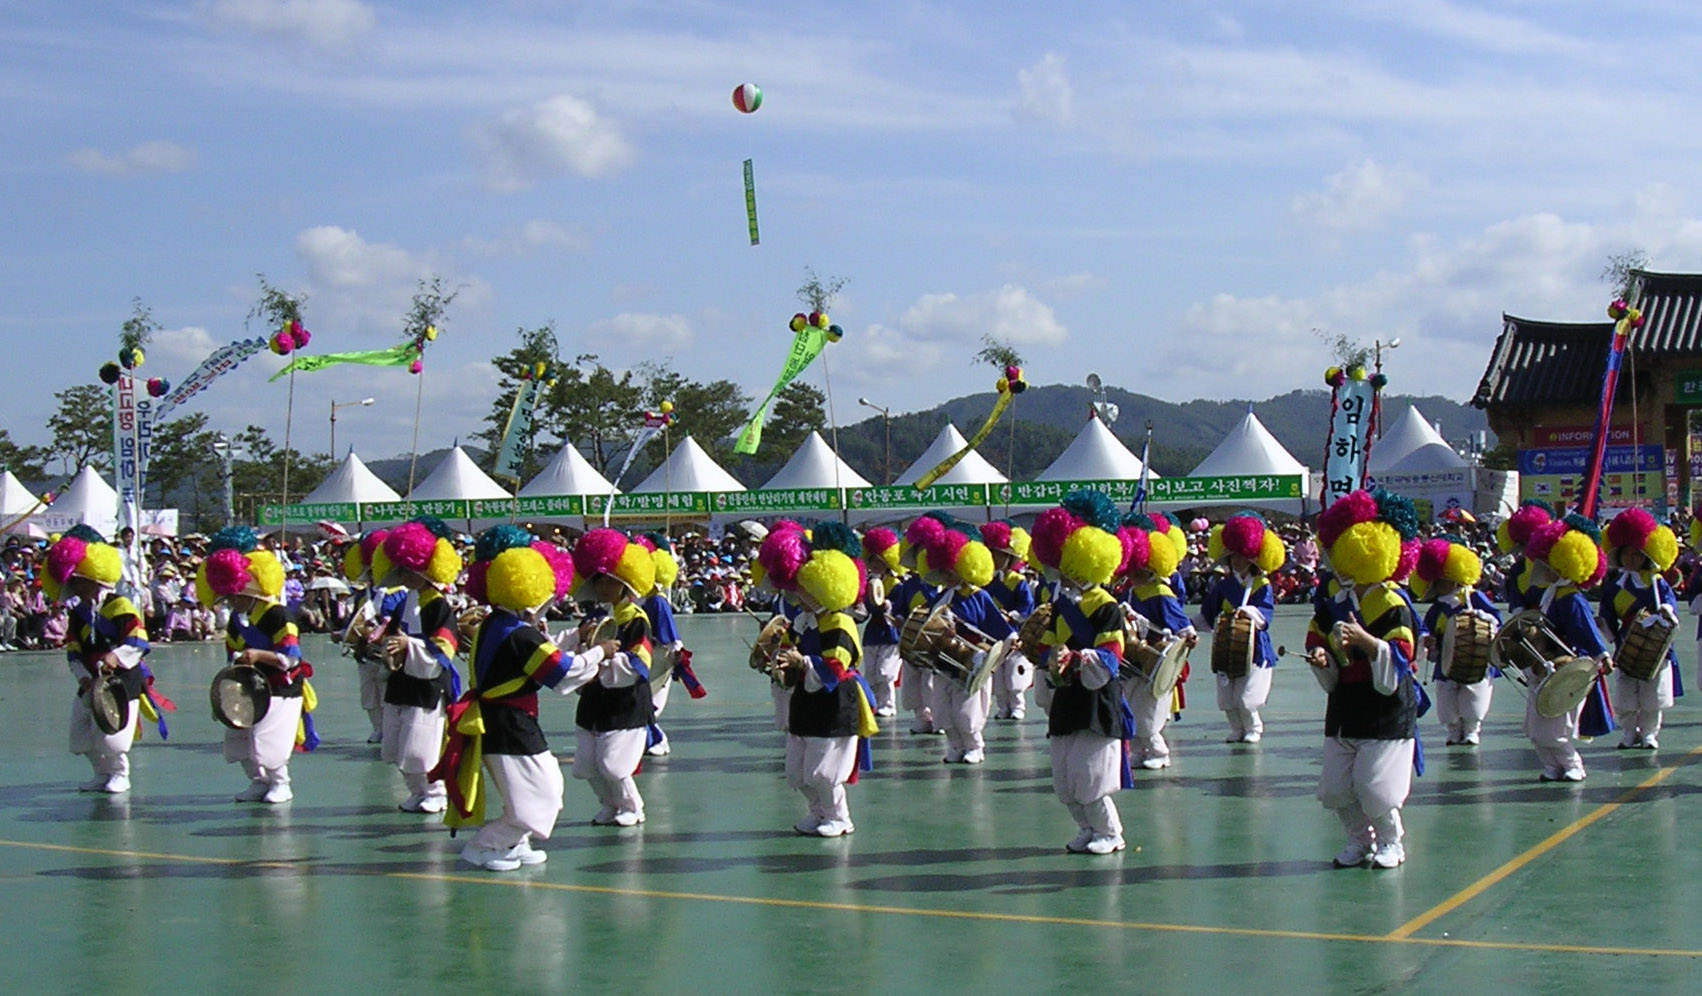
{"x":1093,"y":382}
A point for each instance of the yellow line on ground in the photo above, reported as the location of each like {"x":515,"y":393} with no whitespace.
{"x":1061,"y":921}
{"x":1549,"y":843}
{"x":110,"y":853}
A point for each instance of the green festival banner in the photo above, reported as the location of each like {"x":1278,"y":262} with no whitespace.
{"x":395,"y":356}
{"x":807,"y":344}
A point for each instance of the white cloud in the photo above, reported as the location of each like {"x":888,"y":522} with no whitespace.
{"x":532,"y":237}
{"x":560,"y":135}
{"x":1359,"y":198}
{"x":148,"y":157}
{"x":319,"y":23}
{"x":942,"y":327}
{"x":630,"y":333}
{"x":1044,"y":91}
{"x":366,"y":287}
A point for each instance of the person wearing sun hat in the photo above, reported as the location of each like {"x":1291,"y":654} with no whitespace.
{"x":615,"y":711}
{"x":493,"y":726}
{"x":880,"y":632}
{"x":832,"y":707}
{"x":1152,"y":563}
{"x":1088,"y":721}
{"x":262,"y":634}
{"x":1510,"y":538}
{"x":961,"y":567}
{"x":1252,"y":551}
{"x":1361,"y":648}
{"x":1639,"y":551}
{"x":916,"y":688}
{"x":1448,"y":572}
{"x":1015,"y":596}
{"x":375,"y":603}
{"x":1565,"y":560}
{"x":418,"y":642}
{"x":104,"y":636}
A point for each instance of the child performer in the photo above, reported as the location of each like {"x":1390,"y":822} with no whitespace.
{"x":674,"y":660}
{"x":262,"y":634}
{"x":1151,"y":565}
{"x":916,"y":684}
{"x":1252,"y":551}
{"x":1565,"y":560}
{"x":1448,"y":572}
{"x":375,"y":604}
{"x":962,"y":567}
{"x":418,"y":643}
{"x":831,"y":705}
{"x":104,"y":637}
{"x":1089,"y":721}
{"x":1510,"y":538}
{"x":1639,"y":551}
{"x":615,"y":711}
{"x":493,"y":726}
{"x":880,"y":633}
{"x":1015,"y":596}
{"x":1361,"y":651}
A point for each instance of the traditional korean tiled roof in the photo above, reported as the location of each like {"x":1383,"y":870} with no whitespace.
{"x":1561,"y":363}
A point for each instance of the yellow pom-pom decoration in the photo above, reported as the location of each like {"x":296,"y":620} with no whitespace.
{"x":519,"y":578}
{"x":381,"y":564}
{"x":203,"y":591}
{"x":1366,"y":552}
{"x":830,"y":577}
{"x":1002,"y":385}
{"x":759,"y":576}
{"x":1696,"y":533}
{"x":667,"y":406}
{"x":1090,"y":556}
{"x":1356,"y":372}
{"x":268,"y":574}
{"x":1214,"y":543}
{"x":353,"y":562}
{"x":1021,"y":542}
{"x":1463,"y":565}
{"x":102,"y":564}
{"x":431,"y":333}
{"x":50,"y":587}
{"x":975,"y":564}
{"x":445,"y":564}
{"x":667,"y":569}
{"x":1662,"y":548}
{"x":1575,"y":557}
{"x":636,"y":570}
{"x":1165,"y":556}
{"x":1272,"y":553}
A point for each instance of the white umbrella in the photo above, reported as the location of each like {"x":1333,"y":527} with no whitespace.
{"x":326,"y":582}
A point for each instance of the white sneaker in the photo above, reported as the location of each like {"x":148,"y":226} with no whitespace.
{"x":628,"y":818}
{"x":1470,"y":740}
{"x":1156,"y":763}
{"x":834,"y":828}
{"x":1388,"y":854}
{"x":1251,"y":737}
{"x":1355,"y":854}
{"x":1650,"y":743}
{"x":604,"y":817}
{"x":1078,"y":843}
{"x":527,"y":855}
{"x":807,"y":826}
{"x":662,"y":749}
{"x":95,"y":784}
{"x":255,"y":791}
{"x":975,"y":756}
{"x":375,"y":737}
{"x":1105,"y":843}
{"x":886,"y":711}
{"x":412,"y":804}
{"x":489,"y":859}
{"x":276,"y":794}
{"x":953,"y":757}
{"x":116,"y":784}
{"x":434,"y":804}
{"x":1018,"y":713}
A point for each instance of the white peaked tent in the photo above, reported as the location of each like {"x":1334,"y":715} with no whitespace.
{"x":567,"y":473}
{"x":1250,"y":449}
{"x":815,"y":465}
{"x":972,"y":469}
{"x":16,"y":504}
{"x":351,"y":481}
{"x":89,"y":500}
{"x":1096,"y":454}
{"x":1409,"y":433}
{"x":1429,"y":458}
{"x":688,"y":468}
{"x":457,"y":477}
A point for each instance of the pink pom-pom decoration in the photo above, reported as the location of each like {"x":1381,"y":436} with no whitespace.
{"x":1542,"y":539}
{"x":64,"y":556}
{"x":410,"y":545}
{"x":475,"y":586}
{"x":1051,"y":528}
{"x":1632,"y":527}
{"x":924,"y":531}
{"x":878,"y":540}
{"x":1348,"y":510}
{"x":370,"y":542}
{"x":1432,"y":558}
{"x":1522,"y":525}
{"x":1199,"y":525}
{"x":561,"y":562}
{"x":997,"y":535}
{"x":598,"y":551}
{"x":1409,"y":560}
{"x":943,"y":552}
{"x":1601,"y":569}
{"x":415,"y":367}
{"x":228,"y":572}
{"x":1137,"y":549}
{"x":1245,"y":535}
{"x":781,"y":554}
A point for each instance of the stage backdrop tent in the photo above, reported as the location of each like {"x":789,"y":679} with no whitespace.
{"x":1250,"y":451}
{"x":1095,"y":454}
{"x":351,"y":482}
{"x":88,"y":500}
{"x":1409,"y":433}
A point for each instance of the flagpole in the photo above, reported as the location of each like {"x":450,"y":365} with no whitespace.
{"x":833,"y":431}
{"x":414,"y":457}
{"x":289,"y":419}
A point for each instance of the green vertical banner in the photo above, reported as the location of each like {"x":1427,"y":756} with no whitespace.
{"x":750,"y":200}
{"x":509,"y":458}
{"x":806,"y":346}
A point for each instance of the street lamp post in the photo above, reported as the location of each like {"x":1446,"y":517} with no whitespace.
{"x":886,"y":424}
{"x":342,"y":404}
{"x":223,"y":448}
{"x":1377,"y":347}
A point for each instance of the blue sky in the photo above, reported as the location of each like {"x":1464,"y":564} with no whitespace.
{"x":1172,"y":195}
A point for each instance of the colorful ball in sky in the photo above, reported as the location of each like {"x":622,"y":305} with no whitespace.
{"x":835,"y":333}
{"x":819,"y":319}
{"x":667,"y":406}
{"x":158,"y":387}
{"x":747,"y":97}
{"x":130,"y":358}
{"x":798,"y":322}
{"x":109,"y":373}
{"x":415,"y":367}
{"x":431,"y":333}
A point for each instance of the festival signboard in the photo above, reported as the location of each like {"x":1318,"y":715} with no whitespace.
{"x":776,"y":501}
{"x":902,"y":496}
